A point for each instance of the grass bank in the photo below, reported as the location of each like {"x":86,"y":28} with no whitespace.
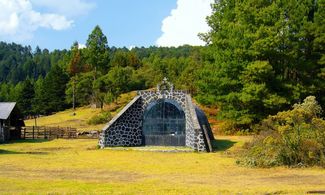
{"x":82,"y":115}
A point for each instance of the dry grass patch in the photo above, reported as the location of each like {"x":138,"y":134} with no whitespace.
{"x":67,"y":119}
{"x":83,"y":114}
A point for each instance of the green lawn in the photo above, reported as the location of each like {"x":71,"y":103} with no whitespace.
{"x":78,"y":167}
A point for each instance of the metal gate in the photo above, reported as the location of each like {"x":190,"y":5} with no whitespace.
{"x":164,"y":124}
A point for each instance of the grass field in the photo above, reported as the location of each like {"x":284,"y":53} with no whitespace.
{"x":77,"y":167}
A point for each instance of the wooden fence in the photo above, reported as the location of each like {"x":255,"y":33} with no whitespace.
{"x":42,"y":132}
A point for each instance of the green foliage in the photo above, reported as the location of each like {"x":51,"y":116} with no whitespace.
{"x":54,"y":86}
{"x":39,"y":98}
{"x":101,"y":118}
{"x":95,"y":74}
{"x":263,"y":56}
{"x":181,"y":70}
{"x":114,"y":83}
{"x":6,"y":92}
{"x":83,"y":89}
{"x":227,"y":127}
{"x":76,"y":64}
{"x":97,"y":56}
{"x":107,"y":88}
{"x":25,"y":97}
{"x":294,"y":138}
{"x":17,"y":63}
{"x":125,"y":58}
{"x":97,"y":50}
{"x":20,"y":67}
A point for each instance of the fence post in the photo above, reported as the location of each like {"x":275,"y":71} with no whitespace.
{"x":25,"y":133}
{"x":44,"y":132}
{"x":33,"y":132}
{"x":37,"y":132}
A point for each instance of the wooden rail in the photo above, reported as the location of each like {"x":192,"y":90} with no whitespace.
{"x":42,"y":132}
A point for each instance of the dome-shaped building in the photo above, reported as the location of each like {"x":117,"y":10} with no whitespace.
{"x":165,"y":117}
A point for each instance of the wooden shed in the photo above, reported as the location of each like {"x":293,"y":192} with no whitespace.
{"x":11,"y":121}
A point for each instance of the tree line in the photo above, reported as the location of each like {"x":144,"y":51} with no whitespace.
{"x":262,"y":57}
{"x":52,"y":81}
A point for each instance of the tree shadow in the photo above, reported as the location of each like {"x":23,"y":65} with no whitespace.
{"x":27,"y":141}
{"x":9,"y":152}
{"x":16,"y":152}
{"x":32,"y":141}
{"x":222,"y":144}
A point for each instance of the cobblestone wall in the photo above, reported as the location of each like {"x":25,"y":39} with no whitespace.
{"x":195,"y":137}
{"x":125,"y":129}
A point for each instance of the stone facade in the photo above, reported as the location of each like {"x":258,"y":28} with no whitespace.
{"x":125,"y":129}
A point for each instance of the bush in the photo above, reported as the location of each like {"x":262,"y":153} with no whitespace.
{"x":229,"y":127}
{"x":293,"y":138}
{"x":101,"y":118}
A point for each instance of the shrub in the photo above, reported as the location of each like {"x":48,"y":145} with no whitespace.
{"x":227,"y":127}
{"x":293,"y":138}
{"x":101,"y":118}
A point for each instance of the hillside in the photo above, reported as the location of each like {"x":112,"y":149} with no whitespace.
{"x":82,"y":116}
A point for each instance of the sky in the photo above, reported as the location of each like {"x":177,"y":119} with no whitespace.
{"x":56,"y":24}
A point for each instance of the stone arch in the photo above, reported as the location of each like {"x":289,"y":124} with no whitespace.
{"x":164,"y":123}
{"x":126,"y":128}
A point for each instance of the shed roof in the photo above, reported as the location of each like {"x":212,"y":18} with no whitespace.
{"x":5,"y":109}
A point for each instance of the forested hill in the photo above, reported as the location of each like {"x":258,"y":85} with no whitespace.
{"x":261,"y":58}
{"x":42,"y":82}
{"x":19,"y":62}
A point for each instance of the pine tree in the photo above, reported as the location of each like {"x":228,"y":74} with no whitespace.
{"x":262,"y":57}
{"x":97,"y":57}
{"x":54,"y":90}
{"x":24,"y":97}
{"x":39,"y":98}
{"x":97,"y":50}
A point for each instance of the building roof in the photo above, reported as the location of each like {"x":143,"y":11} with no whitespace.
{"x":5,"y":109}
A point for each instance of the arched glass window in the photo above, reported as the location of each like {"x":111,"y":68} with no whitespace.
{"x":164,"y":123}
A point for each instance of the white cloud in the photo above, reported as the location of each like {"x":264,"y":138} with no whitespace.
{"x":18,"y":20}
{"x":81,"y":46}
{"x":185,"y":22}
{"x":131,"y":47}
{"x":70,"y":8}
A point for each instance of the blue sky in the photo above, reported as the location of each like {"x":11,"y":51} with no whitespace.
{"x":56,"y":24}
